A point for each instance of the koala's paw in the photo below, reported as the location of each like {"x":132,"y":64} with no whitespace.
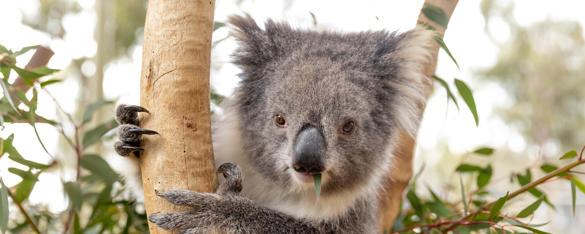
{"x":129,"y":133}
{"x":203,"y":217}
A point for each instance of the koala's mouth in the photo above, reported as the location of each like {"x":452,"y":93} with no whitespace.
{"x":303,"y":177}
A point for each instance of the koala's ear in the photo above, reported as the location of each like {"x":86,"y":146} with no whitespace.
{"x":256,"y":48}
{"x":406,"y":57}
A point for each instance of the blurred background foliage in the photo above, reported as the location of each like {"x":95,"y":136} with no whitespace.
{"x":539,"y":65}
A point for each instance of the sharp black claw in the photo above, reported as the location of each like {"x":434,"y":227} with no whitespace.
{"x":134,"y":148}
{"x":137,"y":109}
{"x":143,"y":131}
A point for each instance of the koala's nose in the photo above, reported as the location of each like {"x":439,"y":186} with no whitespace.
{"x":309,"y":151}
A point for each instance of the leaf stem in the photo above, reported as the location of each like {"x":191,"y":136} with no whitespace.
{"x":23,"y":211}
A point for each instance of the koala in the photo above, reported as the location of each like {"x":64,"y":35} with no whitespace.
{"x":308,"y":103}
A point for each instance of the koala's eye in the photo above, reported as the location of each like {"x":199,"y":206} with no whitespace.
{"x":347,"y":128}
{"x":279,"y":121}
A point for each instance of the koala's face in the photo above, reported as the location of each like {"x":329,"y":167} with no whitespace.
{"x":324,"y":102}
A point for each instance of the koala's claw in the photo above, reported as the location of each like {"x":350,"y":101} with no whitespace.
{"x":233,"y":179}
{"x":128,"y":114}
{"x":129,"y":133}
{"x":125,"y":149}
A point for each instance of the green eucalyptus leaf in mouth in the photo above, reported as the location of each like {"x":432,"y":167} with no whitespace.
{"x":317,"y":181}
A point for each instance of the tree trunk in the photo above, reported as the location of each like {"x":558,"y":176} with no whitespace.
{"x":401,"y":171}
{"x":174,"y":87}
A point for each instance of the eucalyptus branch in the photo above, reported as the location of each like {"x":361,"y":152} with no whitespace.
{"x":23,"y":211}
{"x":525,"y":188}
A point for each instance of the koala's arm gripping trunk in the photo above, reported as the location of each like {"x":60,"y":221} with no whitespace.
{"x":174,"y":86}
{"x":401,"y":171}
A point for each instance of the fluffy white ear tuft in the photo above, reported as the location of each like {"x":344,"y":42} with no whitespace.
{"x":414,"y":53}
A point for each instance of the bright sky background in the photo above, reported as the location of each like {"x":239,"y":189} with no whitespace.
{"x":442,"y":122}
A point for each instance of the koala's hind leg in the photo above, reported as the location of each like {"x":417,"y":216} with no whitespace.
{"x":129,"y":133}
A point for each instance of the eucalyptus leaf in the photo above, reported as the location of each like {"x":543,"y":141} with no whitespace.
{"x":495,"y":209}
{"x":317,"y":182}
{"x":467,"y":96}
{"x":532,"y":229}
{"x":486,"y":151}
{"x":569,"y":155}
{"x":24,"y":189}
{"x":443,"y":46}
{"x":50,"y":82}
{"x":530,"y":208}
{"x":579,"y":184}
{"x":573,"y":196}
{"x":468,"y":168}
{"x":94,"y":135}
{"x":24,"y":50}
{"x":484,"y":176}
{"x":548,"y":168}
{"x":7,"y":95}
{"x":87,"y":115}
{"x":217,"y":25}
{"x":450,"y":95}
{"x":463,"y":198}
{"x":98,"y":166}
{"x":73,"y":190}
{"x":4,"y":212}
{"x":15,"y":156}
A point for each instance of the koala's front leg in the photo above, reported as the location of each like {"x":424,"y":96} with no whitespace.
{"x":129,"y":133}
{"x":225,"y":211}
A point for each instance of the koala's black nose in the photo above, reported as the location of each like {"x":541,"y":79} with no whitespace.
{"x":309,"y":151}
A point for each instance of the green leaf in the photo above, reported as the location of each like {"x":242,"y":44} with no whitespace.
{"x":22,"y":173}
{"x":217,"y":25}
{"x":76,"y":225}
{"x":73,"y":190}
{"x":484,"y":151}
{"x":532,"y":229}
{"x":463,"y":199}
{"x":434,"y":195}
{"x":7,"y":95}
{"x":443,"y":46}
{"x":15,"y":156}
{"x":436,"y":15}
{"x":484,"y":176}
{"x":50,"y":82}
{"x":548,"y":168}
{"x":317,"y":182}
{"x":415,"y":202}
{"x":439,"y":208}
{"x":468,"y":168}
{"x":313,"y":17}
{"x":4,"y":212}
{"x":24,"y":189}
{"x":579,"y":184}
{"x":5,"y":70}
{"x":524,"y":179}
{"x":495,"y":209}
{"x":3,"y":49}
{"x":450,"y":95}
{"x":24,"y":50}
{"x":569,"y":155}
{"x":98,"y":166}
{"x":94,"y":135}
{"x":92,"y":108}
{"x":573,"y":196}
{"x":467,"y":96}
{"x":530,"y":209}
{"x":44,"y":71}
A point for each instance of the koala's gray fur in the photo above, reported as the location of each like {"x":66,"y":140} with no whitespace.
{"x":319,"y":80}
